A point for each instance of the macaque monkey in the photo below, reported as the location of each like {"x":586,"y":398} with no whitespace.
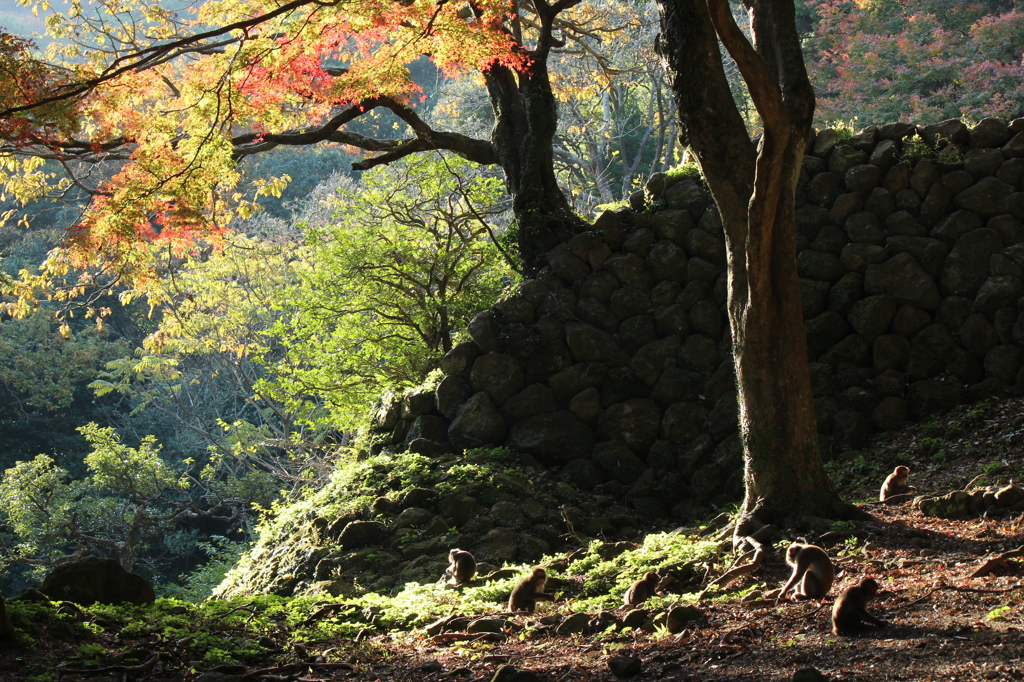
{"x":529,"y":591}
{"x":462,"y":567}
{"x":641,"y":590}
{"x":812,"y":568}
{"x":849,"y":613}
{"x":896,"y":484}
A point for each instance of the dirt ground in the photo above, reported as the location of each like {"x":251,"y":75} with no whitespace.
{"x":943,"y":623}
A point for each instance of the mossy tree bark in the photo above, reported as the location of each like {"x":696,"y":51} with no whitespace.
{"x":754,"y":187}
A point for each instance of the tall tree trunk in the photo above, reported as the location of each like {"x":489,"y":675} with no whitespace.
{"x":526,"y":120}
{"x":754,"y":189}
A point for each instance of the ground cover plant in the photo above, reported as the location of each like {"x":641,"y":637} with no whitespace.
{"x":945,"y":622}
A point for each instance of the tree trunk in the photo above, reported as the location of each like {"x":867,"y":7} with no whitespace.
{"x":526,"y":120}
{"x":755,"y":191}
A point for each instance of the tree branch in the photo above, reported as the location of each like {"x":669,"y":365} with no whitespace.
{"x":478,"y":151}
{"x":151,"y":56}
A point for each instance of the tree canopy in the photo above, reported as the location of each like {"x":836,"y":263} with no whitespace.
{"x":156,"y":108}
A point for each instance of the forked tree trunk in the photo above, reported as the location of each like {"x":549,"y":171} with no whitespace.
{"x":526,"y":120}
{"x":754,"y":189}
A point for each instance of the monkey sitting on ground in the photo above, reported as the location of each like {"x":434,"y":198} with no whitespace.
{"x":849,"y":613}
{"x":529,"y":591}
{"x":641,"y":590}
{"x":812,"y":568}
{"x":462,"y":566}
{"x":896,"y":486}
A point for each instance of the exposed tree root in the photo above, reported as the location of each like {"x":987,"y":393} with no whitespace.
{"x":999,"y":560}
{"x":125,"y":670}
{"x":756,"y":560}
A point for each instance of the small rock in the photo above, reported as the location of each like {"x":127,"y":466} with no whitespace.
{"x":624,"y":666}
{"x":508,"y":673}
{"x":679,"y":616}
{"x":808,"y":675}
{"x":573,"y":625}
{"x":486,"y":625}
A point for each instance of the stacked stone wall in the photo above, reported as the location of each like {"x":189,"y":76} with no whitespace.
{"x":614,"y":363}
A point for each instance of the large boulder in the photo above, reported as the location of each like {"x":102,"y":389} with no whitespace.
{"x":451,"y":392}
{"x":553,"y":438}
{"x":477,"y":423}
{"x":618,"y":461}
{"x":987,"y":197}
{"x":649,"y":361}
{"x":634,"y":422}
{"x":872,"y":316}
{"x":967,"y":266}
{"x":588,"y":344}
{"x":682,"y":422}
{"x":357,"y":534}
{"x":931,"y":396}
{"x":499,"y":374}
{"x":574,"y":378}
{"x":903,"y":278}
{"x":92,"y":580}
{"x":533,"y":399}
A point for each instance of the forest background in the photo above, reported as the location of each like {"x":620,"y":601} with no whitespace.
{"x":160,"y":430}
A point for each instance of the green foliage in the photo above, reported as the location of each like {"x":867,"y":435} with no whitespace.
{"x":606,"y":580}
{"x":199,"y":584}
{"x":202,"y":369}
{"x":136,"y":473}
{"x":130,"y":498}
{"x":916,"y":148}
{"x":686,"y":171}
{"x":999,"y":612}
{"x":385,"y":288}
{"x":40,"y":366}
{"x":37,"y":502}
{"x":611,"y":206}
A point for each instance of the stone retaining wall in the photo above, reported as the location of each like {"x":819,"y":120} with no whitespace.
{"x":614,"y":363}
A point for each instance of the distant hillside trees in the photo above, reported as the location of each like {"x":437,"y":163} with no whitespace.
{"x":921,"y":61}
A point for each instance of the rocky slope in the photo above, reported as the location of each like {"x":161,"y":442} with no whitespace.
{"x":608,"y":377}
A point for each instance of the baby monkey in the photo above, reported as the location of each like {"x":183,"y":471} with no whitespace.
{"x":462,"y":566}
{"x":812,"y":568}
{"x":849,"y":613}
{"x":641,"y":590}
{"x":529,"y":591}
{"x":896,"y":485}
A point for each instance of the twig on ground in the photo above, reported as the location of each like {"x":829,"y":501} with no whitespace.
{"x":996,"y":561}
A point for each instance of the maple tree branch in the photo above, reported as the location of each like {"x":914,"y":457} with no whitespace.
{"x":158,"y":54}
{"x":478,"y":151}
